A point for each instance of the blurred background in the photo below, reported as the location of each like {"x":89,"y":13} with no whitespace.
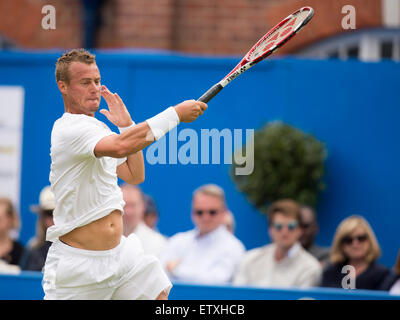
{"x":338,"y":80}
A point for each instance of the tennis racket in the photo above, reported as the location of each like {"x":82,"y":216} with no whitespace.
{"x":269,"y":43}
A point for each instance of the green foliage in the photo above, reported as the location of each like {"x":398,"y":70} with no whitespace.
{"x":288,"y":163}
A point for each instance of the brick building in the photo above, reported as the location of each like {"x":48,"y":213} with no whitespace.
{"x":222,"y":27}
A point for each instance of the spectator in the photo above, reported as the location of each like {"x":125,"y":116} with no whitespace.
{"x":36,"y":253}
{"x":151,"y":213}
{"x":355,"y":245}
{"x":392,"y":282}
{"x":11,"y":250}
{"x":284,"y":263}
{"x":310,"y":229}
{"x":9,"y":268}
{"x":152,"y":241}
{"x":395,"y":288}
{"x":208,"y":254}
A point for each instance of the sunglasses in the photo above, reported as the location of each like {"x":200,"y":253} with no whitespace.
{"x":350,"y":240}
{"x":212,"y":212}
{"x":291,"y":226}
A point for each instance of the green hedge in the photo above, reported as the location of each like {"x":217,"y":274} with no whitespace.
{"x":288,"y":163}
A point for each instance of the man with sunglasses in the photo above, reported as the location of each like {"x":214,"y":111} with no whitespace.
{"x":210,"y":253}
{"x":284,"y":263}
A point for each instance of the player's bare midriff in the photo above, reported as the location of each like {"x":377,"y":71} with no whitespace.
{"x":102,"y":234}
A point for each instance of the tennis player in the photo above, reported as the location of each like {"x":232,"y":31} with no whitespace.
{"x":89,"y":257}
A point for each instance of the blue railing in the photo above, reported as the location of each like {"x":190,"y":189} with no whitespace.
{"x":27,"y":286}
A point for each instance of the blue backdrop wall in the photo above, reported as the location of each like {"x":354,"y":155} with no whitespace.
{"x":352,"y":107}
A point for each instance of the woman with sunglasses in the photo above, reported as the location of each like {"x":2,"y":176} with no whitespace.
{"x":353,"y":258}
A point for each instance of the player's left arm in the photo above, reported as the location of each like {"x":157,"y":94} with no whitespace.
{"x":132,"y":170}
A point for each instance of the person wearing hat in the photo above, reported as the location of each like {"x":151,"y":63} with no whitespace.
{"x":36,"y":253}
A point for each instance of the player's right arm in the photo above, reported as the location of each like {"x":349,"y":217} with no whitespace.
{"x":125,"y":144}
{"x":141,"y":135}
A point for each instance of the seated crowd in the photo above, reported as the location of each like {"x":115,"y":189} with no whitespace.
{"x":210,"y":253}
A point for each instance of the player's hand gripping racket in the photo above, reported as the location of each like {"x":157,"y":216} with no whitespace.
{"x":270,"y":42}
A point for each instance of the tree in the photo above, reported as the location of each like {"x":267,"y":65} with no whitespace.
{"x":288,"y":163}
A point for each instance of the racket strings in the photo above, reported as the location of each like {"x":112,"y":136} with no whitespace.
{"x":278,"y":34}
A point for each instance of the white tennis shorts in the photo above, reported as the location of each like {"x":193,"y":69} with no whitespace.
{"x":122,"y":273}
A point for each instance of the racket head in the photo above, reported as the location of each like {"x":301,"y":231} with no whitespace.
{"x":271,"y":41}
{"x":279,"y":34}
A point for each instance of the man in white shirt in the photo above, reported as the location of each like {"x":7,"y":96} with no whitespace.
{"x":284,"y":263}
{"x":89,"y":257}
{"x":210,"y":253}
{"x":152,"y":241}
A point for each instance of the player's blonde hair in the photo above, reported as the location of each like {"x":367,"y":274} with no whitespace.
{"x":345,"y":228}
{"x":75,"y":55}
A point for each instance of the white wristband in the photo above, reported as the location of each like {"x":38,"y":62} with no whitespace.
{"x":122,"y":130}
{"x":163,"y":122}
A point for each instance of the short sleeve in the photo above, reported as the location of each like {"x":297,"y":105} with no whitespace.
{"x":121,"y":161}
{"x":83,"y":136}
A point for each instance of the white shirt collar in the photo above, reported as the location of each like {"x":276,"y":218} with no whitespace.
{"x":210,"y":234}
{"x":293,"y":250}
{"x":141,"y":227}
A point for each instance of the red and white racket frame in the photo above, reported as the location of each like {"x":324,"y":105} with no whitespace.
{"x":246,"y":63}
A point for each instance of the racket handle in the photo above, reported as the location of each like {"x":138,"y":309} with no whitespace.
{"x":211,"y":93}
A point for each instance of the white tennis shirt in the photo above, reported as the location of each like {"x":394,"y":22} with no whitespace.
{"x":85,"y":187}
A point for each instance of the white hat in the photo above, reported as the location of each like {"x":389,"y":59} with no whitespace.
{"x":47,"y":200}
